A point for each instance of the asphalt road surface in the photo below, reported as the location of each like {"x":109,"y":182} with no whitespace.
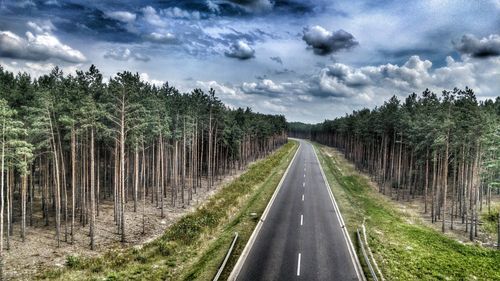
{"x":302,"y":236}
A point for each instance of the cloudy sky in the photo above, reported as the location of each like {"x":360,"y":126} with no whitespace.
{"x":307,"y":59}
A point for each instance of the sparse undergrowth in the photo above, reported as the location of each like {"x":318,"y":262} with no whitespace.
{"x":404,"y":249}
{"x":193,"y":247}
{"x":490,"y":219}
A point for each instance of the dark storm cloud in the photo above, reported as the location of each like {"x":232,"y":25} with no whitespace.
{"x":240,"y":50}
{"x":479,"y":48}
{"x":324,"y":42}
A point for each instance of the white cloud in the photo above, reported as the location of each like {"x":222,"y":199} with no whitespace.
{"x":324,"y":42}
{"x":36,"y":69}
{"x":37,"y":47}
{"x":151,"y":16}
{"x":240,"y":50}
{"x":274,"y":106}
{"x":178,"y":13}
{"x":212,"y":6}
{"x":227,"y":91}
{"x":41,"y":27}
{"x":122,"y":16}
{"x":125,"y":54}
{"x":162,"y":37}
{"x":266,"y":87}
{"x":145,"y":77}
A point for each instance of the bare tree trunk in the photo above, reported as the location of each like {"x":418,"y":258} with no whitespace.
{"x":183,"y":159}
{"x":159,"y":174}
{"x":92,"y":191}
{"x":445,"y":180}
{"x":57,"y":184}
{"x":136,"y":175}
{"x":2,"y":179}
{"x":498,"y":242}
{"x":426,"y":185}
{"x":73,"y":182}
{"x":23,"y":206}
{"x":122,"y":169}
{"x":9,"y":220}
{"x":143,"y":169}
{"x":209,"y":157}
{"x":399,"y":164}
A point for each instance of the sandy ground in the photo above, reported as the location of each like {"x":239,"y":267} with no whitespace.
{"x":414,"y":212}
{"x":40,"y":250}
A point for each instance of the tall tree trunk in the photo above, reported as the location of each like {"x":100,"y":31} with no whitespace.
{"x":23,"y":205}
{"x":426,"y":184}
{"x":122,"y":168}
{"x":136,"y":175}
{"x":57,"y":184}
{"x":445,"y":180}
{"x":73,"y":182}
{"x":183,"y":159}
{"x":92,"y":191}
{"x":143,"y":169}
{"x":2,"y":181}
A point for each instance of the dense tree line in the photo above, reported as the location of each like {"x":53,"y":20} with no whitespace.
{"x":68,"y":143}
{"x":445,"y":149}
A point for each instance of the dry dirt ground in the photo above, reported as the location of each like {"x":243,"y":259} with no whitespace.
{"x":40,"y":249}
{"x":413,"y":210}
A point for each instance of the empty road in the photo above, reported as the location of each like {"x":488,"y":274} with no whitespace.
{"x":302,"y":237}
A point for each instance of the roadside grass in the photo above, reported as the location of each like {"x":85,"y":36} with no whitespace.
{"x":404,"y":248}
{"x":193,"y":247}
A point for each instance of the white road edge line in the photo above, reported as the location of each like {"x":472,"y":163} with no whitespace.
{"x":298,"y":266}
{"x":241,"y":260}
{"x":301,"y":219}
{"x":350,"y":247}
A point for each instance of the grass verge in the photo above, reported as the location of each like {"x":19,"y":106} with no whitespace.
{"x":193,"y":247}
{"x":405,"y":249}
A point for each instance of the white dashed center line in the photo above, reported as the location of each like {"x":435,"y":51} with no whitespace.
{"x":298,"y":266}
